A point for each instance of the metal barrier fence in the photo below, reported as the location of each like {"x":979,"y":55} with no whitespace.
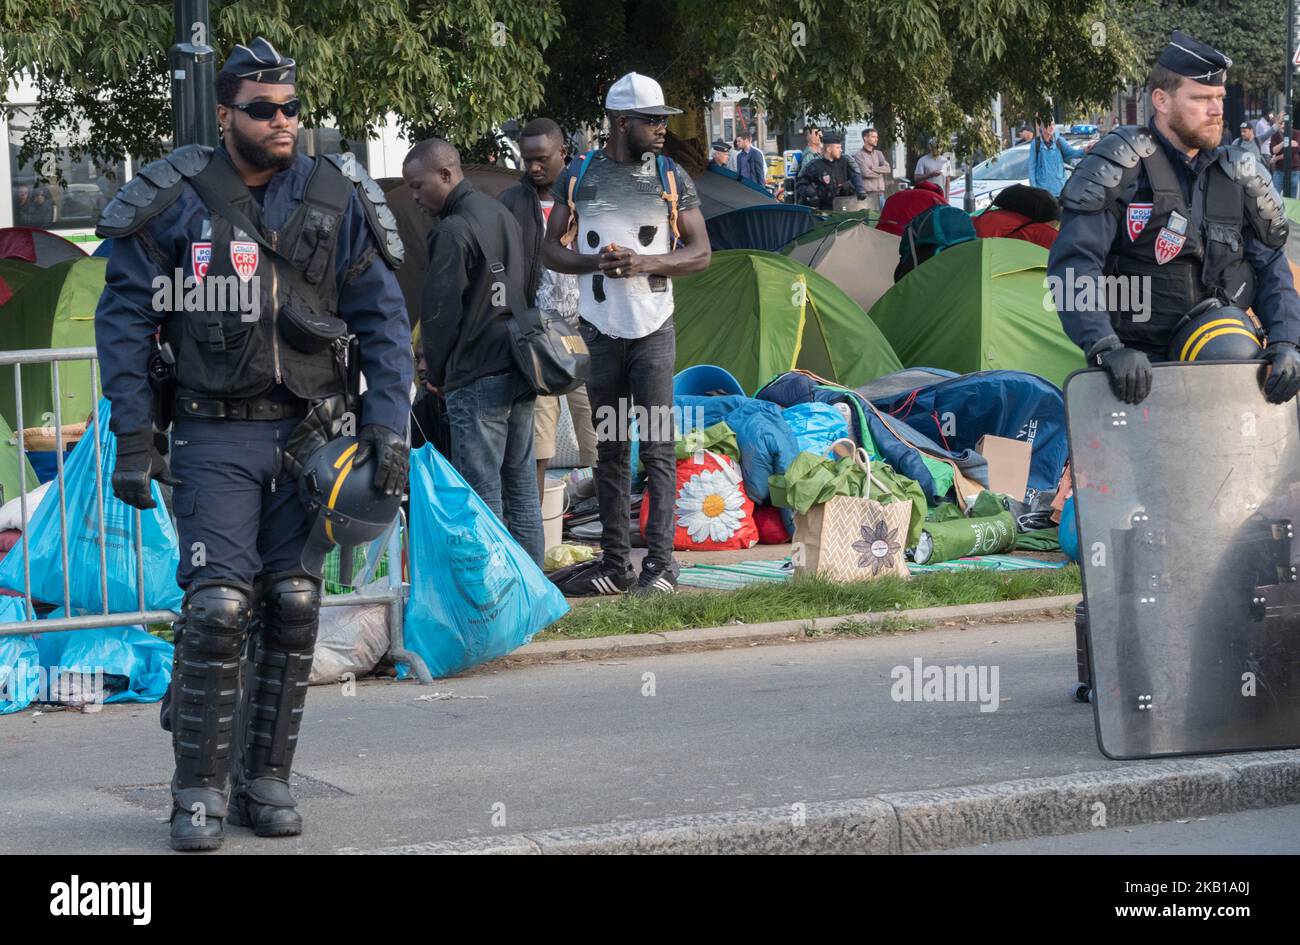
{"x":393,"y":595}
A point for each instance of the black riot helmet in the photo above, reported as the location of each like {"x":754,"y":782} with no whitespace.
{"x":347,"y":508}
{"x":1215,"y":332}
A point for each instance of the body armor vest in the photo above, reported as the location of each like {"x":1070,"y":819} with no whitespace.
{"x":234,"y":346}
{"x":1184,"y":254}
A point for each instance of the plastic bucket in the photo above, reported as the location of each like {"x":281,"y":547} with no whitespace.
{"x":553,"y":513}
{"x":703,"y":379}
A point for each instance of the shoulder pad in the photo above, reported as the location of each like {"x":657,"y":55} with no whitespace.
{"x":383,"y":224}
{"x":190,"y":159}
{"x":1261,"y":204}
{"x":1126,"y":145}
{"x":153,"y":189}
{"x":1095,"y":184}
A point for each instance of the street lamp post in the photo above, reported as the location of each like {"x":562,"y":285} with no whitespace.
{"x":190,"y":61}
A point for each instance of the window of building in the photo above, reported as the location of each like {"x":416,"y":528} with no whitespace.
{"x":314,"y":141}
{"x":728,"y":127}
{"x":41,"y":200}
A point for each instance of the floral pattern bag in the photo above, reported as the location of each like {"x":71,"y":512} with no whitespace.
{"x":712,"y":511}
{"x":853,"y":539}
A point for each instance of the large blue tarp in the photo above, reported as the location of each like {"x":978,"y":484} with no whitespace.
{"x":945,"y":420}
{"x":1011,"y":404}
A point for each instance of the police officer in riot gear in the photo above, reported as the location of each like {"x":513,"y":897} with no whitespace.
{"x":282,"y":258}
{"x":1167,"y":206}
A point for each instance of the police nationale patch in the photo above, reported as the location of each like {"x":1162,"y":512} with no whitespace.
{"x":243,"y":256}
{"x":1139,"y":214}
{"x":1168,"y":245}
{"x":200,"y":258}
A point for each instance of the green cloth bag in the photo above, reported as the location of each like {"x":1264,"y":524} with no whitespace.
{"x":719,"y":438}
{"x":813,"y":480}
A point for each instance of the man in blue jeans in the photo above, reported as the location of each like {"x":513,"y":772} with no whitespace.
{"x":474,"y":249}
{"x":627,"y":225}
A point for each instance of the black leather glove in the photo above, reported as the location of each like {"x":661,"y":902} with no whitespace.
{"x":1130,"y":373}
{"x":391,"y":455}
{"x":138,"y":463}
{"x":1283,"y":379}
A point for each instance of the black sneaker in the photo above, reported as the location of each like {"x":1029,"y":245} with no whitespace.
{"x":596,"y":580}
{"x":654,"y":579}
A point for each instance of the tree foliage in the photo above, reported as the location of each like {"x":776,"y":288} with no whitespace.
{"x":1250,"y":32}
{"x":456,"y":66}
{"x":924,"y":64}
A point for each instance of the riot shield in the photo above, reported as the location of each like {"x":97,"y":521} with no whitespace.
{"x":1186,"y":508}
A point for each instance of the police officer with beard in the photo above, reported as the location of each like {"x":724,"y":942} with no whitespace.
{"x":305,"y":250}
{"x":1194,"y":221}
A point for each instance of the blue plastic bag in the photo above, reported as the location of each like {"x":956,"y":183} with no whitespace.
{"x":136,"y":665}
{"x":475,"y":594}
{"x":20,"y":663}
{"x":816,"y":426}
{"x":161,"y":555}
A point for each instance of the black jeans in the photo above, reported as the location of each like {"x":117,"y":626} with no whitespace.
{"x":633,"y":378}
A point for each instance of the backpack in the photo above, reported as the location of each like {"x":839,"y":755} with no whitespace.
{"x":667,"y":184}
{"x":929,"y":233}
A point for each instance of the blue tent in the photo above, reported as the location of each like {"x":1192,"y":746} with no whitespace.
{"x":765,"y":226}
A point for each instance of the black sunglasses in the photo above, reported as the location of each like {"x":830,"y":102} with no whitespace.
{"x":654,"y":121}
{"x":265,"y":111}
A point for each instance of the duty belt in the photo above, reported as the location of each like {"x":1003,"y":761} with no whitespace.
{"x":256,"y":409}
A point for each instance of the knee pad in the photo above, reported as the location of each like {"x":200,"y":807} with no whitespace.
{"x":290,"y":611}
{"x":216,"y":618}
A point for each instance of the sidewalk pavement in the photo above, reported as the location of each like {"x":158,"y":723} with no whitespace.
{"x":793,"y":747}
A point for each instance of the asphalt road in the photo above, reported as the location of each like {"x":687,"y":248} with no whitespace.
{"x":572,"y":744}
{"x":1272,"y":831}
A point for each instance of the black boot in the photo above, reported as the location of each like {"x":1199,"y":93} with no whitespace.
{"x":277,"y":695}
{"x":204,"y":699}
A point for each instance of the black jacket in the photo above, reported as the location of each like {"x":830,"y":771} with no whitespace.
{"x":464,"y":336}
{"x":523,"y":202}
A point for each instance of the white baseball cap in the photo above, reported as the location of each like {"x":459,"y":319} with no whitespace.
{"x":638,"y":93}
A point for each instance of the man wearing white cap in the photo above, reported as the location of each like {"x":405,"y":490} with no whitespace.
{"x":629,"y":221}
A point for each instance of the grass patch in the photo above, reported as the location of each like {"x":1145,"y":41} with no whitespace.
{"x":805,"y":598}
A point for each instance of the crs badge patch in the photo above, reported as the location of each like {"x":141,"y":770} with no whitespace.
{"x":244,"y":256}
{"x":1139,"y":214}
{"x":200,"y":258}
{"x":1168,"y":245}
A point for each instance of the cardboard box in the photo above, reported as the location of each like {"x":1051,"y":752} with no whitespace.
{"x":1008,"y":464}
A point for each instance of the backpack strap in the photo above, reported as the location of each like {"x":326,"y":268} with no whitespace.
{"x":571,"y":231}
{"x":668,"y":181}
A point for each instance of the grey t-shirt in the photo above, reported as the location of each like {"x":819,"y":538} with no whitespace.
{"x":624,"y":204}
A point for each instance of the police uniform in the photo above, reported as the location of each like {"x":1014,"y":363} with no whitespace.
{"x":304,"y":264}
{"x":1192,"y":229}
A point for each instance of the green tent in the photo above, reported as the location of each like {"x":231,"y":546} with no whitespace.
{"x":10,"y":473}
{"x":759,"y":314}
{"x":982,"y":305}
{"x":56,"y":309}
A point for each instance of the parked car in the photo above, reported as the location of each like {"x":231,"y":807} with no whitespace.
{"x":1001,"y":171}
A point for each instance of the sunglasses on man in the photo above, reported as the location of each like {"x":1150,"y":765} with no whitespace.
{"x":654,"y":121}
{"x":265,"y":111}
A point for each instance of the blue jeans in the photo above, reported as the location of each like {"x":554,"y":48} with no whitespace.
{"x":1295,"y":183}
{"x":492,"y":447}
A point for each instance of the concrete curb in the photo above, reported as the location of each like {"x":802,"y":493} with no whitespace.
{"x":745,"y":633}
{"x":921,"y":821}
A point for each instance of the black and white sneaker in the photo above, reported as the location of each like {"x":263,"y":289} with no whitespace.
{"x":654,"y":580}
{"x":596,"y":579}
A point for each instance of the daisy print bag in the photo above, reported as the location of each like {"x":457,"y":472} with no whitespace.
{"x":712,"y":511}
{"x":851,"y":538}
